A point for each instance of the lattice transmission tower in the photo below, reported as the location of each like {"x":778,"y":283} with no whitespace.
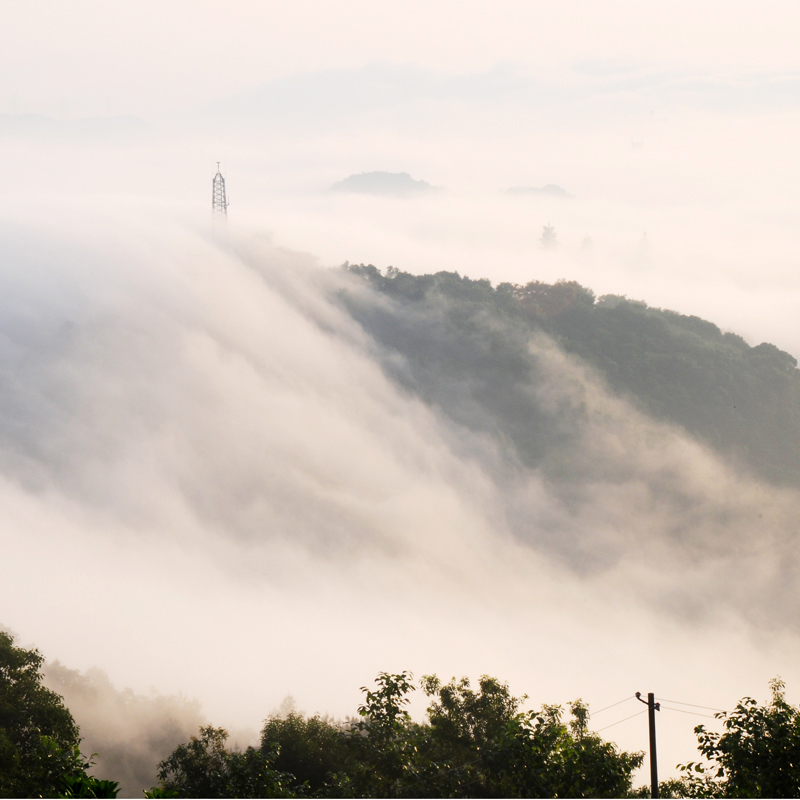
{"x":219,"y":200}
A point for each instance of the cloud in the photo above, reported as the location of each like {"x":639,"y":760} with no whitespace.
{"x":213,"y":395}
{"x":216,"y":481}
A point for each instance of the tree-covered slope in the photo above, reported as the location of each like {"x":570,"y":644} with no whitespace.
{"x":462,"y":345}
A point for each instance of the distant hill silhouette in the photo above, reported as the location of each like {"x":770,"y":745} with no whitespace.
{"x":382,"y":183}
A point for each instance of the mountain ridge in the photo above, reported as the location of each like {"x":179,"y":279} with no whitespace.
{"x":742,"y":401}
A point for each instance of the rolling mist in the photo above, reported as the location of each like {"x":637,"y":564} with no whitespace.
{"x":231,"y":470}
{"x":260,"y":477}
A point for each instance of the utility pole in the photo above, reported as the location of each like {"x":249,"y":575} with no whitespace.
{"x":652,"y":707}
{"x":219,"y":200}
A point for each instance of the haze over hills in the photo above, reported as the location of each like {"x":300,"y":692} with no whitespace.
{"x":130,"y":733}
{"x":577,"y":412}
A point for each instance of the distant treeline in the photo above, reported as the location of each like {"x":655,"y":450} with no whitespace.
{"x":742,"y":401}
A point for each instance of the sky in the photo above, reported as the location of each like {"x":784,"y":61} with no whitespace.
{"x":211,"y":487}
{"x":152,"y":57}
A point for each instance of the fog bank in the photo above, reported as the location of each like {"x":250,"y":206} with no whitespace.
{"x":214,"y":484}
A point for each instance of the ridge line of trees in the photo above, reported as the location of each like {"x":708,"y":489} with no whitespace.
{"x":743,"y":401}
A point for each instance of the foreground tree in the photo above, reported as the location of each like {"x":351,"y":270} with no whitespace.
{"x":757,"y":754}
{"x":39,"y":740}
{"x":205,"y":768}
{"x":385,"y":745}
{"x":474,"y":743}
{"x":489,"y":748}
{"x":312,"y":749}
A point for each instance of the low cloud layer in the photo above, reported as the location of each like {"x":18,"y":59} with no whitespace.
{"x":218,"y":481}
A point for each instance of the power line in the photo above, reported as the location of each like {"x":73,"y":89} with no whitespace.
{"x":681,"y":711}
{"x":637,"y":714}
{"x":693,"y":705}
{"x":624,"y":699}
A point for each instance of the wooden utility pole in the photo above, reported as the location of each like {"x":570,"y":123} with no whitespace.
{"x":652,"y":707}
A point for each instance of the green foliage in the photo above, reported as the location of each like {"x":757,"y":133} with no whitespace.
{"x":157,"y":793}
{"x":756,"y":755}
{"x":382,"y":744}
{"x":383,"y":715}
{"x":492,"y":749}
{"x":39,"y":740}
{"x":465,"y":717}
{"x":475,"y":743}
{"x":312,"y":749}
{"x":546,"y":758}
{"x":87,"y":786}
{"x":205,"y":768}
{"x":454,"y":331}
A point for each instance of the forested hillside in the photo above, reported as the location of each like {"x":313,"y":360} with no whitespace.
{"x":462,"y":344}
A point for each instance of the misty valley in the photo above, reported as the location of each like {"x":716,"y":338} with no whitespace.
{"x":552,"y":432}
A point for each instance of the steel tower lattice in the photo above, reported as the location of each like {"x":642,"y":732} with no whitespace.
{"x":219,"y":200}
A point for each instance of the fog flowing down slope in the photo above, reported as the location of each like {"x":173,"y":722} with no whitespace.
{"x":580,"y":473}
{"x":235,"y":462}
